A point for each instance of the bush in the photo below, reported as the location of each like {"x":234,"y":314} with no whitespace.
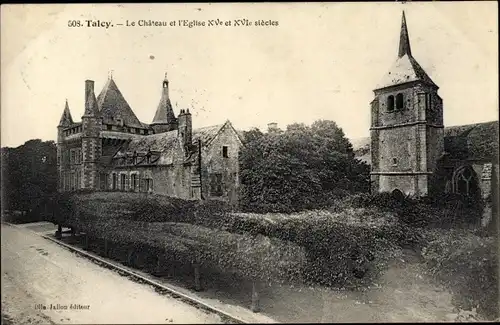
{"x":446,"y":210}
{"x":468,"y":265}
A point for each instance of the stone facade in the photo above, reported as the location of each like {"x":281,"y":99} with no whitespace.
{"x":409,"y":148}
{"x":112,"y":150}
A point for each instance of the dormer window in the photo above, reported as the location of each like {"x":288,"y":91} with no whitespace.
{"x":399,"y":101}
{"x":390,"y":103}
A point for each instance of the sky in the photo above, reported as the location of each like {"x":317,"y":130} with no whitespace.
{"x":322,"y":61}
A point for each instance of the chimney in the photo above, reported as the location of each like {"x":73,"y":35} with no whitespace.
{"x":89,"y":87}
{"x":185,"y":128}
{"x":272,"y":127}
{"x":90,"y":100}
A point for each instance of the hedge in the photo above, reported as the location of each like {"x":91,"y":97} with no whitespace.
{"x":346,"y":246}
{"x":250,"y":256}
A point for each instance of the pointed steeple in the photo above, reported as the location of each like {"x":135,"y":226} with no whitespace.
{"x":66,"y":118}
{"x":406,"y":68}
{"x":404,"y":39}
{"x":164,"y":113}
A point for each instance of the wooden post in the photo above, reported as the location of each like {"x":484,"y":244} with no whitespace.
{"x":160,"y":260}
{"x":197,"y":277}
{"x":86,"y":241}
{"x":106,"y":247}
{"x":130,"y":258}
{"x":255,"y":297}
{"x":59,"y":232}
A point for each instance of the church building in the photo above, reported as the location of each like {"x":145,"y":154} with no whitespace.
{"x":411,"y":151}
{"x":110,"y":149}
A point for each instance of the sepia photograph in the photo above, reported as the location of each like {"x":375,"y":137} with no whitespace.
{"x":231,"y":163}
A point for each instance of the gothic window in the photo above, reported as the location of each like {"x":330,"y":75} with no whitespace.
{"x":224,"y":152}
{"x":399,"y":101}
{"x":465,"y":182}
{"x":390,"y":103}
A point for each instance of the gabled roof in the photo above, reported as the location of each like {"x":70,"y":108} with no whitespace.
{"x":406,"y":68}
{"x":66,"y":118}
{"x":112,"y":106}
{"x":480,"y":141}
{"x":208,"y":133}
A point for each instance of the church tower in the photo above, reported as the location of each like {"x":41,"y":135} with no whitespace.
{"x":406,"y":126}
{"x":164,"y":119}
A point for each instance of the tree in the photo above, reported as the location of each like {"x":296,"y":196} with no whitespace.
{"x":29,"y":175}
{"x":303,"y":167}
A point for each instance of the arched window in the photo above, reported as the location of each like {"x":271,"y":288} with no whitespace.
{"x":390,"y":103}
{"x":465,"y":181}
{"x":399,"y":101}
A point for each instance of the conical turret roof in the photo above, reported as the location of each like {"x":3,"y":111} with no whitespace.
{"x":66,"y":118}
{"x":164,"y":112}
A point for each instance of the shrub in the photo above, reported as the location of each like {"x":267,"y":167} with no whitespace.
{"x":468,"y":265}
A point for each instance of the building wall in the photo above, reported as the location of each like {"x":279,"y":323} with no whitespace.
{"x":217,"y":168}
{"x":399,"y":144}
{"x":91,"y":149}
{"x":406,"y":142}
{"x":173,"y":180}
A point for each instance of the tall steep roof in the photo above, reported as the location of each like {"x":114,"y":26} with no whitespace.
{"x":66,"y":118}
{"x":164,"y":112}
{"x":113,"y":106}
{"x":406,"y":68}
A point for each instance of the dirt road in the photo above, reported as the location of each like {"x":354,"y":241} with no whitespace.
{"x":44,"y":283}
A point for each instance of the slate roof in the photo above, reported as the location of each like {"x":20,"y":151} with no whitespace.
{"x":66,"y":118}
{"x":165,"y":145}
{"x":406,"y":68}
{"x":477,"y":141}
{"x":480,"y":140}
{"x":164,"y":112}
{"x":112,"y":105}
{"x":206,"y":134}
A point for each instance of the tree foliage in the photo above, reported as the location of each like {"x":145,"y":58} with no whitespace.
{"x":29,"y":175}
{"x":303,"y":167}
